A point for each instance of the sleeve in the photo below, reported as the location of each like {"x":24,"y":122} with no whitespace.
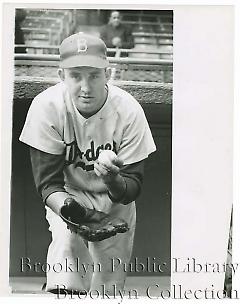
{"x":133,"y":175}
{"x":128,"y":42}
{"x":41,"y":129}
{"x":137,"y":141}
{"x":104,"y":35}
{"x":47,"y":172}
{"x":49,"y":178}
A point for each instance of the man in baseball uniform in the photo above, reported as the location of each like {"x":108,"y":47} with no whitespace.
{"x":66,"y":127}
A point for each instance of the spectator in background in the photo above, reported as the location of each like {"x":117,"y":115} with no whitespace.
{"x":19,"y":36}
{"x":116,"y":34}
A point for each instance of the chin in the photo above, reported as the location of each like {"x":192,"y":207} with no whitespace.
{"x":85,"y":110}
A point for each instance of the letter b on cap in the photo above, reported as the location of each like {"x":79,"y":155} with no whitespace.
{"x":81,"y":45}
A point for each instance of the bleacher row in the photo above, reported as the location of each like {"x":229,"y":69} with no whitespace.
{"x":48,"y":27}
{"x":153,"y":36}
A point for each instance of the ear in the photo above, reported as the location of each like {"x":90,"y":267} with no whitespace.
{"x":108,"y":73}
{"x":61,"y":74}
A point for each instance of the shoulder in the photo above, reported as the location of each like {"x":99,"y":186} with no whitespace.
{"x":123,"y":102}
{"x":126,"y":27}
{"x":49,"y":105}
{"x":52,"y":93}
{"x":52,"y":97}
{"x":104,"y":28}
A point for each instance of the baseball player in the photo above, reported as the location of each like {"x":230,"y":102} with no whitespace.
{"x":67,"y":126}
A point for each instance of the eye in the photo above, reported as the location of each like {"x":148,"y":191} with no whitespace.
{"x":94,"y":76}
{"x":76,"y":76}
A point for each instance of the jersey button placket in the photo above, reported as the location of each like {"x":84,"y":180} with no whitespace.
{"x":87,"y":130}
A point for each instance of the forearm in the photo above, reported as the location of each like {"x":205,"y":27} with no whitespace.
{"x":128,"y":41}
{"x":48,"y":176}
{"x":56,"y":200}
{"x":117,"y":188}
{"x":128,"y":44}
{"x":127,"y":186}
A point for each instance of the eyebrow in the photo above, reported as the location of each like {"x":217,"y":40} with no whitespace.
{"x":74,"y":72}
{"x":79,"y":71}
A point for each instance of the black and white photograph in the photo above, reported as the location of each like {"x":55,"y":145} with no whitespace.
{"x":119,"y":155}
{"x":91,"y":153}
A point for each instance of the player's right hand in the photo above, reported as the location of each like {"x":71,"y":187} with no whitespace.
{"x":108,"y":172}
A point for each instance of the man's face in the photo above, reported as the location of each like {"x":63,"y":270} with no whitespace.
{"x":86,"y":86}
{"x":115,"y":19}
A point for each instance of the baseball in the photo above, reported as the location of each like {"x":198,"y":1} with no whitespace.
{"x":106,"y":157}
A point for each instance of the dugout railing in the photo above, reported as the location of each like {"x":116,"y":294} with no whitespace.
{"x":132,"y":69}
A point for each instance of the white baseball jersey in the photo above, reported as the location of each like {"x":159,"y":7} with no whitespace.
{"x":54,"y":125}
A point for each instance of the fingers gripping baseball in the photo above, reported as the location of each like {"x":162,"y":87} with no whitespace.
{"x":107,"y":165}
{"x":106,"y":172}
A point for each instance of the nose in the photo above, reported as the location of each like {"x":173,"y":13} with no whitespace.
{"x":85,"y":85}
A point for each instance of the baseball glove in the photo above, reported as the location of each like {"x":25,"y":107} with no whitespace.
{"x":90,"y":224}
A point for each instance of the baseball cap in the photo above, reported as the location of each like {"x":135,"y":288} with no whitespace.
{"x":82,"y":49}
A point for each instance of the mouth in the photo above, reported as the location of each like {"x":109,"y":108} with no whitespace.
{"x":86,"y":97}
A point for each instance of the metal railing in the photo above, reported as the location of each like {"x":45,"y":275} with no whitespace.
{"x":117,"y":52}
{"x":122,"y":68}
{"x":48,"y":57}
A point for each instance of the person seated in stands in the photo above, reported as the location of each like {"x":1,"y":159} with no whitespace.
{"x":115,"y":34}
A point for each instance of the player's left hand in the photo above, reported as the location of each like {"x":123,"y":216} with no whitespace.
{"x":90,"y":224}
{"x":108,"y":172}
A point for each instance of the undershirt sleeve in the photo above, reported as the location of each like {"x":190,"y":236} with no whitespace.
{"x":47,"y":172}
{"x":49,"y":178}
{"x":133,"y":176}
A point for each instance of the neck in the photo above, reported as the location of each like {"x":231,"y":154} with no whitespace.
{"x":87,"y":115}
